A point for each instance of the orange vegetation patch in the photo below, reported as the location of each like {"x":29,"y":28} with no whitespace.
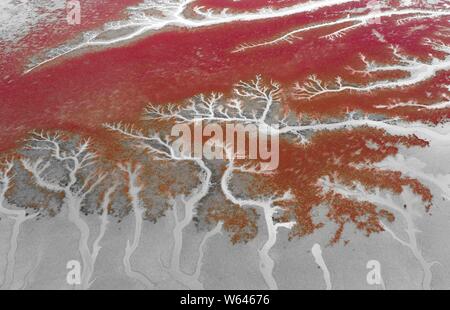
{"x":239,"y":222}
{"x":345,"y":157}
{"x":246,"y":5}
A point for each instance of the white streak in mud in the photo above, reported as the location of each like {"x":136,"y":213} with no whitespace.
{"x":134,"y":190}
{"x":173,"y":14}
{"x":267,"y":264}
{"x":208,"y":235}
{"x":414,"y":104}
{"x":416,"y":70}
{"x":189,"y":204}
{"x":317,"y":253}
{"x":74,"y":204}
{"x":393,"y":126}
{"x":359,"y":21}
{"x":96,"y":247}
{"x":18,"y":216}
